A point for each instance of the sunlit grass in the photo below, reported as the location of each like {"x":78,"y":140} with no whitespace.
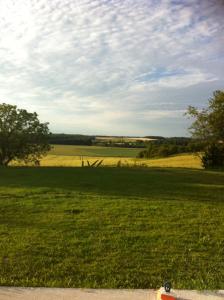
{"x":75,"y":156}
{"x":111,"y":227}
{"x":181,"y":161}
{"x":132,"y":226}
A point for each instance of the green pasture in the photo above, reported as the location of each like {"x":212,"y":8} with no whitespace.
{"x":111,"y":227}
{"x":93,"y":151}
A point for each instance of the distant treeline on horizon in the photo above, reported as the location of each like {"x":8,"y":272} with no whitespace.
{"x":71,"y":139}
{"x":117,"y":141}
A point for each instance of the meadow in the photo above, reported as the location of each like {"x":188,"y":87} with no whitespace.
{"x":111,"y":227}
{"x":72,"y":156}
{"x":93,"y":151}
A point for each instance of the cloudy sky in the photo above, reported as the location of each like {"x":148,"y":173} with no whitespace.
{"x":119,"y":67}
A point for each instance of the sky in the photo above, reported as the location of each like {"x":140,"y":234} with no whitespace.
{"x":111,"y":67}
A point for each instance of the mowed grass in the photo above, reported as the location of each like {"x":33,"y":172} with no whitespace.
{"x":111,"y":227}
{"x":93,"y":151}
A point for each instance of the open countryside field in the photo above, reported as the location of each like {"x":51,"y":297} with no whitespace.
{"x":93,"y":151}
{"x":178,"y":161}
{"x":111,"y":227}
{"x":72,"y":156}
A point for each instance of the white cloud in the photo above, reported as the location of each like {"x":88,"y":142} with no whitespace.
{"x":109,"y":60}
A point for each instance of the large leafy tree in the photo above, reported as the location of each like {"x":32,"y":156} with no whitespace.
{"x":209,"y":122}
{"x":208,"y":127}
{"x":22,"y":136}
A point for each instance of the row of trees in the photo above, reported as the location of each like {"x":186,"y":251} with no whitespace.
{"x":71,"y":139}
{"x":24,"y":137}
{"x":170,"y":146}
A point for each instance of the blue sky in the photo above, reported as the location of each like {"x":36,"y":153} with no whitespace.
{"x":110,"y":66}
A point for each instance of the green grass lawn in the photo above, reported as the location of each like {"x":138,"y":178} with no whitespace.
{"x":96,"y":151}
{"x":111,"y":227}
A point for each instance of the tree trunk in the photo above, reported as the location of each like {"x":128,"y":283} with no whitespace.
{"x":4,"y":162}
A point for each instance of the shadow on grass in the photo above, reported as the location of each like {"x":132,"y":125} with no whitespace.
{"x":67,"y":230}
{"x":154,"y":183}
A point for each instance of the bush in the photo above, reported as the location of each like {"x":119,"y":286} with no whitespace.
{"x":213,"y":156}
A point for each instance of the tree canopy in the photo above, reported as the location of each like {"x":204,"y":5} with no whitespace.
{"x":22,"y":136}
{"x":209,"y":122}
{"x":208,"y":126}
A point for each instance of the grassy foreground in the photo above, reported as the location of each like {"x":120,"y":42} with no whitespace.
{"x":111,"y":227}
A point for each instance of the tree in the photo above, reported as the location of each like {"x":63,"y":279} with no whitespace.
{"x":209,"y":122}
{"x":22,"y":136}
{"x":213,"y":156}
{"x":208,"y":127}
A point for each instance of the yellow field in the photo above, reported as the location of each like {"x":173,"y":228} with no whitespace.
{"x":179,"y":161}
{"x":72,"y":156}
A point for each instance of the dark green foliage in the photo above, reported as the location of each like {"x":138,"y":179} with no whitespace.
{"x":22,"y":135}
{"x":170,"y":146}
{"x":157,"y":137}
{"x":209,"y":127}
{"x":111,"y":227}
{"x":209,"y":122}
{"x":71,"y":139}
{"x":213,"y":156}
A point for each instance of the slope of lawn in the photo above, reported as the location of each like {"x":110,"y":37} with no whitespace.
{"x":111,"y":227}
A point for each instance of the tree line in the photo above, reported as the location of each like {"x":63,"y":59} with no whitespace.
{"x":170,"y":146}
{"x":70,"y":139}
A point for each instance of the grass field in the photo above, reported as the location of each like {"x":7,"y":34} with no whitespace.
{"x":111,"y":227}
{"x":93,"y":151}
{"x":72,"y":156}
{"x":181,"y":161}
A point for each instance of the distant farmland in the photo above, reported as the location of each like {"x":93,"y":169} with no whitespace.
{"x":93,"y":151}
{"x":72,"y":156}
{"x":123,"y":139}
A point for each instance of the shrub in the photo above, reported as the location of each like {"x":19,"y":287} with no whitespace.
{"x":213,"y":156}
